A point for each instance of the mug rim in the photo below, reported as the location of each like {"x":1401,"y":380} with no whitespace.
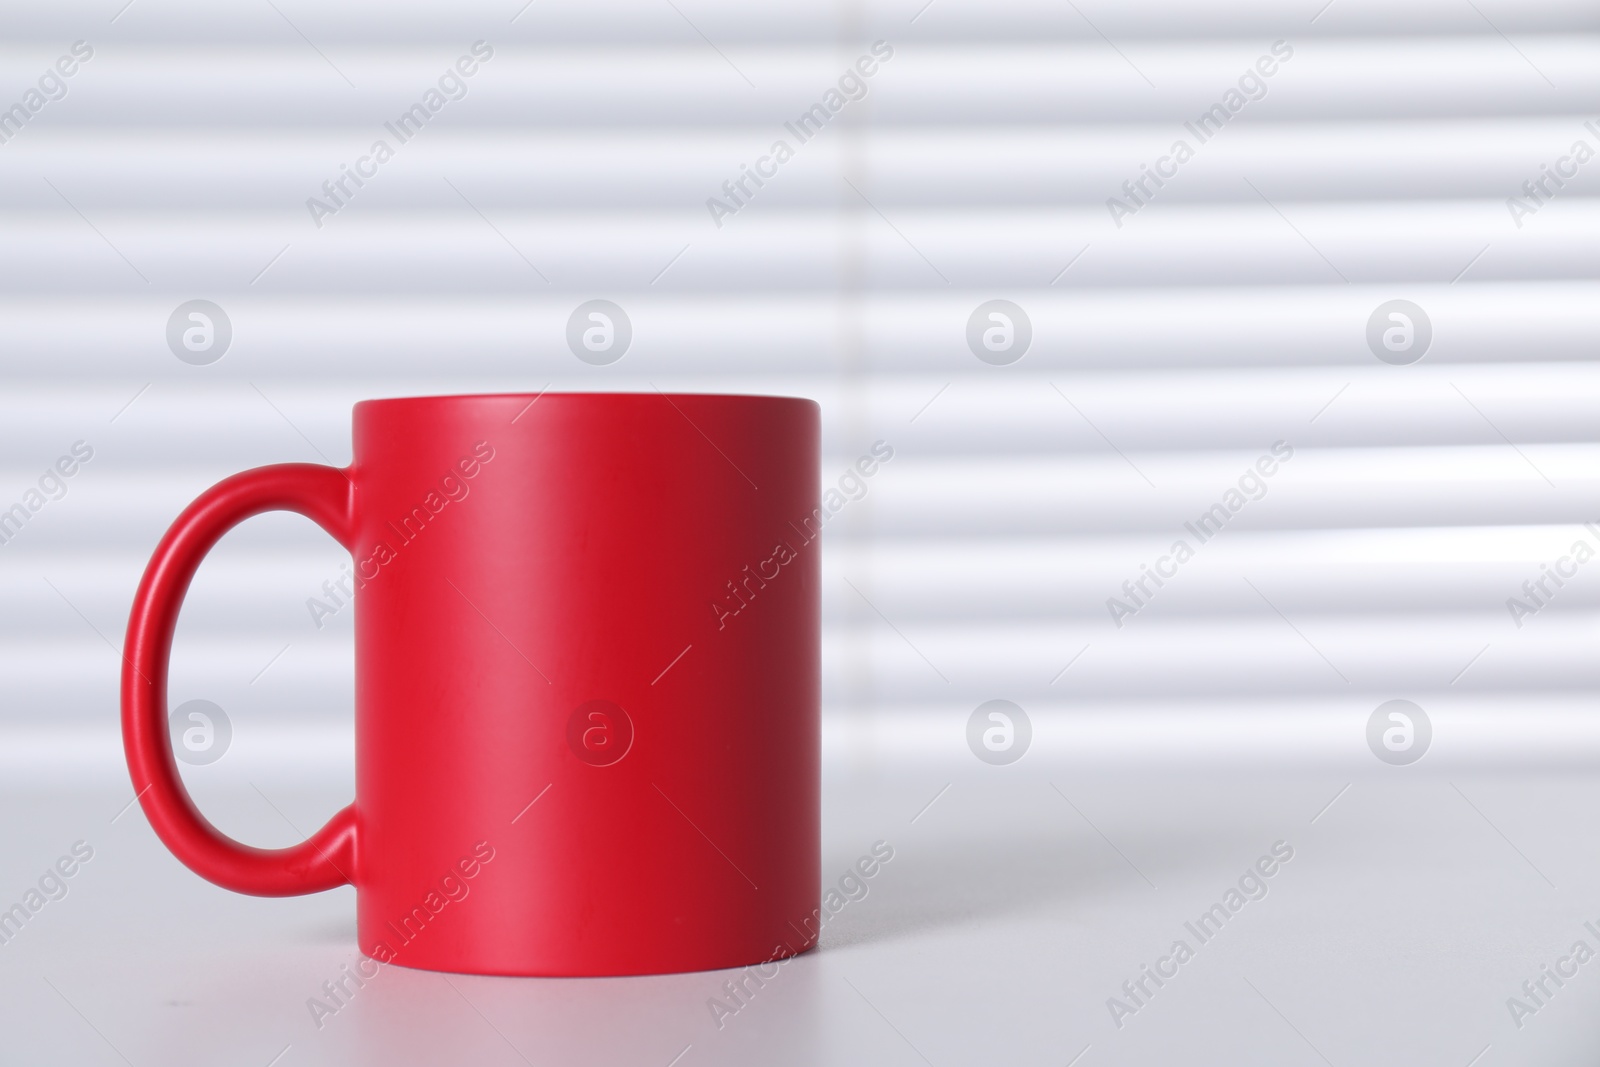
{"x":580,"y":395}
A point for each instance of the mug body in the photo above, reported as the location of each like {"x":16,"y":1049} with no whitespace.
{"x":587,"y":681}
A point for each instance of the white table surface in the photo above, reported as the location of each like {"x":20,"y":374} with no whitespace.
{"x":1015,"y":906}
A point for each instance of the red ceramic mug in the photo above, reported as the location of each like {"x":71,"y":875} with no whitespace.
{"x":587,"y":682}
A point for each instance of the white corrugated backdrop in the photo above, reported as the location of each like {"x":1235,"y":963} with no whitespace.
{"x":1168,"y":353}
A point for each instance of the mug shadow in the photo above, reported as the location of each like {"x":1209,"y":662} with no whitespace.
{"x":970,"y":881}
{"x":1055,"y":845}
{"x":427,"y":1017}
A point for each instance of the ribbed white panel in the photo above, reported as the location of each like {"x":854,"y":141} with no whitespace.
{"x":942,"y":166}
{"x":1169,"y":353}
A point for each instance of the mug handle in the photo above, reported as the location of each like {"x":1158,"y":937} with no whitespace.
{"x":326,"y":859}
